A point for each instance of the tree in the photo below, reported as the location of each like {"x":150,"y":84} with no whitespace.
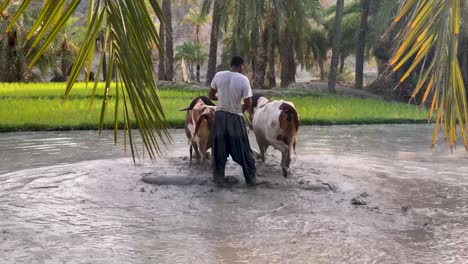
{"x":294,"y":20}
{"x":11,"y":56}
{"x":264,"y":46}
{"x":169,"y":42}
{"x":198,"y":19}
{"x":14,"y":48}
{"x":162,"y":58}
{"x":316,"y":51}
{"x":218,"y":6}
{"x":361,"y":45}
{"x":191,"y":53}
{"x":335,"y":46}
{"x":70,"y":34}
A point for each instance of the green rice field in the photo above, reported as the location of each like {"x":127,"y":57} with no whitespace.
{"x":40,"y":106}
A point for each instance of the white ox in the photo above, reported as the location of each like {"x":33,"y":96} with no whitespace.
{"x":275,"y":123}
{"x":199,"y":126}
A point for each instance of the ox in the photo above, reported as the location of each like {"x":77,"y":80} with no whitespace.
{"x":275,"y":123}
{"x":198,"y":126}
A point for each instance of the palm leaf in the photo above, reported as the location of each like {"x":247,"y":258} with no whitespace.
{"x":130,"y":34}
{"x":431,"y":33}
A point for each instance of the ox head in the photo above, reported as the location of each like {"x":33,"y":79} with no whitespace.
{"x":258,"y":101}
{"x":198,"y":100}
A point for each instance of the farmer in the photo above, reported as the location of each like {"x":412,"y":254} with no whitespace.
{"x":229,"y":131}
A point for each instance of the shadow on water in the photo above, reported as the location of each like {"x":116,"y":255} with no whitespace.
{"x":358,"y":194}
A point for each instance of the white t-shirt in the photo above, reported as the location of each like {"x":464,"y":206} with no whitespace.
{"x":232,"y":87}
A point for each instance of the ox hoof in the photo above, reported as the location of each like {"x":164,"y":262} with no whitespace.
{"x":257,"y":154}
{"x":285,"y":172}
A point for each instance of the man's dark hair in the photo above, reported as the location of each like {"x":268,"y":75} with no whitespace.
{"x":237,"y":61}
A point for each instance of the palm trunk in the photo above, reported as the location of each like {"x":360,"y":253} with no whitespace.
{"x":336,"y":46}
{"x":64,"y":65}
{"x":162,"y":61}
{"x":238,"y":27}
{"x":15,"y":72}
{"x":104,"y":61}
{"x":192,"y":75}
{"x":64,"y":69}
{"x":104,"y":68}
{"x":342,"y":63}
{"x":292,"y":65}
{"x":218,"y":6}
{"x":381,"y":65}
{"x":114,"y":70}
{"x":254,"y":67}
{"x":197,"y":41}
{"x":271,"y":66}
{"x":287,"y":59}
{"x":322,"y":70}
{"x":166,"y":8}
{"x":254,"y":39}
{"x":261,"y":59}
{"x":361,"y":46}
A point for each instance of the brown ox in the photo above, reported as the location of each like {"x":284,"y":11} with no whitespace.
{"x":275,"y":123}
{"x":198,"y":127}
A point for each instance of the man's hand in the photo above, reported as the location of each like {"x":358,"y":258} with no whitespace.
{"x":213,"y":95}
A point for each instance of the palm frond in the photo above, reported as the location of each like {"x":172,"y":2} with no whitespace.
{"x":130,"y":33}
{"x":430,"y":41}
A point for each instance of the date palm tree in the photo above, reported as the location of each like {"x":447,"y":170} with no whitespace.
{"x":198,"y":19}
{"x":192,"y":53}
{"x":218,"y":16}
{"x":361,"y":44}
{"x":335,"y":46}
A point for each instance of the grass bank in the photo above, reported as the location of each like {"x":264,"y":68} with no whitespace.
{"x":29,"y":107}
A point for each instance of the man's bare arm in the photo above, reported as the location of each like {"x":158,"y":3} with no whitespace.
{"x":213,"y":95}
{"x":247,"y":104}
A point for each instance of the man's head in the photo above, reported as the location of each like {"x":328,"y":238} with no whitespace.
{"x":237,"y":64}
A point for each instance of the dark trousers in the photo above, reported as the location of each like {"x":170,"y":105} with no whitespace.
{"x":230,"y":138}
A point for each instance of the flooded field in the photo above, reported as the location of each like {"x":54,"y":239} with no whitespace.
{"x":357,"y":194}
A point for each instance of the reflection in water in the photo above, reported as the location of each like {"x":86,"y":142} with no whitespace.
{"x":71,"y":197}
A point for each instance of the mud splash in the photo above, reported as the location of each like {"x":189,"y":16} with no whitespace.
{"x":358,"y":194}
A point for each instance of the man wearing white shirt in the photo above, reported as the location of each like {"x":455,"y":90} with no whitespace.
{"x":230,"y":137}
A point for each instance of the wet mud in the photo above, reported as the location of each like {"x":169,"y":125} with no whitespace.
{"x":356,"y":194}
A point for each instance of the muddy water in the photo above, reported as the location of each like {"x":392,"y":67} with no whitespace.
{"x":358,"y":194}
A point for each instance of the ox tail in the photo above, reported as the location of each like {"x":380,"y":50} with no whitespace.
{"x":289,"y":123}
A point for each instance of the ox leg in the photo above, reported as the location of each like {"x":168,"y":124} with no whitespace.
{"x":263,"y":149}
{"x":285,"y":157}
{"x":203,"y":154}
{"x":262,"y":145}
{"x":285,"y":161}
{"x":197,"y":151}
